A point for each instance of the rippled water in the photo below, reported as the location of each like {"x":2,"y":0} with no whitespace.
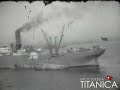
{"x":63,"y":79}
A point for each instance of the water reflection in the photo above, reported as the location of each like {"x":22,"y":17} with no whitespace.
{"x":48,"y":79}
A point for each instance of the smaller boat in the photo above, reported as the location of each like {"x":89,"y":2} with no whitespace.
{"x":104,"y":38}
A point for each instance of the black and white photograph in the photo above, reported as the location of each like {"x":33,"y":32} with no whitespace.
{"x":59,"y":45}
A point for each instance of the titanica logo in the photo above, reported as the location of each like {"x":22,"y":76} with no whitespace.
{"x":106,"y":82}
{"x":109,"y":77}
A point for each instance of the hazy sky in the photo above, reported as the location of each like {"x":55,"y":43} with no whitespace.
{"x":93,"y":19}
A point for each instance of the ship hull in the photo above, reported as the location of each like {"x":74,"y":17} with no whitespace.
{"x":70,"y":60}
{"x":73,"y":59}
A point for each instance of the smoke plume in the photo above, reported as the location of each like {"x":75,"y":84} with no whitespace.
{"x":33,"y":23}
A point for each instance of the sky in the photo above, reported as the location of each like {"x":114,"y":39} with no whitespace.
{"x":91,"y":20}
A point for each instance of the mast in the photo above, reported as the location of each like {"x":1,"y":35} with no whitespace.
{"x":55,"y":46}
{"x":62,"y":34}
{"x":50,"y":38}
{"x":47,"y":41}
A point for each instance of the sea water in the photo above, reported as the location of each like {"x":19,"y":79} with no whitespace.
{"x":65,"y":79}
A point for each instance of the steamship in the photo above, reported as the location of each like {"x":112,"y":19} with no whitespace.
{"x":54,"y":59}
